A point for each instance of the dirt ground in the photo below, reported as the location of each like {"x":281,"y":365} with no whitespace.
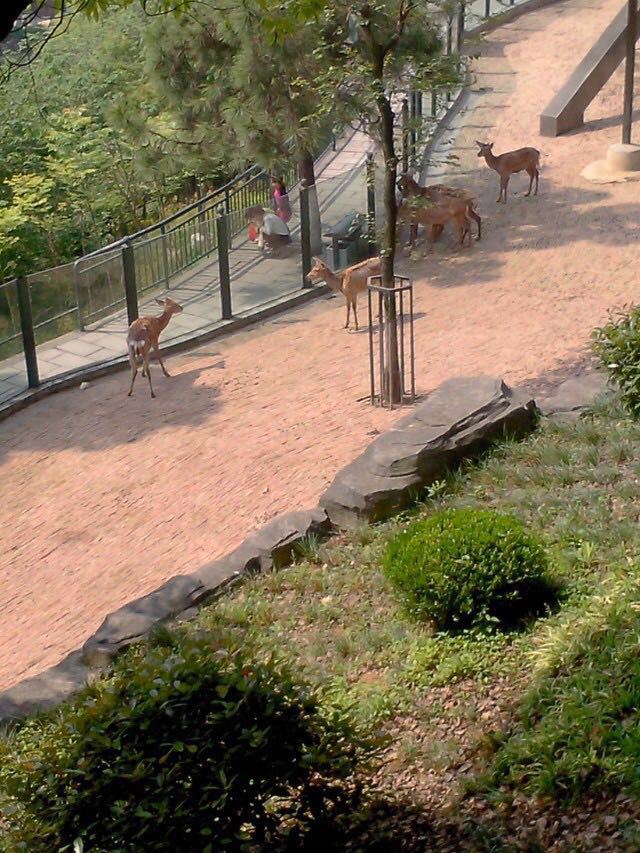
{"x":105,"y":497}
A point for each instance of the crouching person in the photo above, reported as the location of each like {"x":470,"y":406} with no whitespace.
{"x":273,"y":233}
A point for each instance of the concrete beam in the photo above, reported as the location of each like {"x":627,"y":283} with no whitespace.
{"x":566,"y":110}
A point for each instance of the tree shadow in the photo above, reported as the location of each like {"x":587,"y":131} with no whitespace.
{"x":103,"y":416}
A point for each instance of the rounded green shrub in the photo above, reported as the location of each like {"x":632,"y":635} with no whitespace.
{"x":465,"y":567}
{"x":183,"y":748}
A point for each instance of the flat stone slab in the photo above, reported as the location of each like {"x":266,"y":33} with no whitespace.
{"x":575,"y":395}
{"x":458,"y":421}
{"x":45,"y":690}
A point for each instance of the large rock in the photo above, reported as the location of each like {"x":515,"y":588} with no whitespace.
{"x":459,"y":420}
{"x":271,"y":547}
{"x":46,"y":690}
{"x":575,"y":396}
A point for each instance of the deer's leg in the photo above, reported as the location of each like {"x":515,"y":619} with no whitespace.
{"x":134,"y":372}
{"x":537,"y":179}
{"x":146,"y":362}
{"x":478,"y":222}
{"x":532,"y":175}
{"x":159,"y":357}
{"x":504,"y":184}
{"x":355,"y":313}
{"x":346,"y":325}
{"x":436,"y":231}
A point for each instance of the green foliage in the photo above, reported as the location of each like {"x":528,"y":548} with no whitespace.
{"x":579,"y":727}
{"x":182,"y":748}
{"x":618,"y":346}
{"x":464,"y":567}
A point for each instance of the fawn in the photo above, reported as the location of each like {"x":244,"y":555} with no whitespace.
{"x":142,"y":337}
{"x":350,"y":281}
{"x":507,"y":164}
{"x":441,"y":194}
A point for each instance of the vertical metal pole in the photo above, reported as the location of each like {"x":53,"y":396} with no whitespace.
{"x":223,"y":263}
{"x":412,"y":351}
{"x":26,"y":327}
{"x":333,"y":142}
{"x":165,"y":254}
{"x":381,"y":341}
{"x":76,"y":289}
{"x":487,"y":8}
{"x":400,"y":324}
{"x":412,"y":119}
{"x":372,"y":380}
{"x":434,"y":103}
{"x":130,"y":287}
{"x":629,"y":70}
{"x":449,"y":45}
{"x":460,"y":33}
{"x":305,"y":232}
{"x":371,"y":205}
{"x":405,"y":136}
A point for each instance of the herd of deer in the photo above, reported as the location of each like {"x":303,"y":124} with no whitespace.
{"x":432,"y":207}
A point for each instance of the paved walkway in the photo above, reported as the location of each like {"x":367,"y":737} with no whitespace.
{"x":256,"y":281}
{"x":105,"y":496}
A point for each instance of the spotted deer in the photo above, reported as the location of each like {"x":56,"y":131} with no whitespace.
{"x":143,"y":336}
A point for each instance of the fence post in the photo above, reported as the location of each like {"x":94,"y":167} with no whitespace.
{"x":130,"y":287}
{"x":487,"y":8}
{"x":305,"y":232}
{"x":26,"y":327}
{"x":405,"y":135}
{"x":460,"y":33}
{"x":412,"y":119}
{"x":371,"y":204}
{"x":223,"y":263}
{"x":165,"y":254}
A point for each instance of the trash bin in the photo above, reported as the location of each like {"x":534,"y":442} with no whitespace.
{"x":349,"y":240}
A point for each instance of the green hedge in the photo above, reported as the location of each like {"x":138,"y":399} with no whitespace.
{"x":464,"y":567}
{"x":182,"y":749}
{"x":618,"y":346}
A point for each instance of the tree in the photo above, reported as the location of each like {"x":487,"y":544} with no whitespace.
{"x":221,"y":90}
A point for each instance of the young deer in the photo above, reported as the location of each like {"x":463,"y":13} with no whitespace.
{"x":432,"y":215}
{"x":142,"y":337}
{"x":507,"y":164}
{"x":350,"y":281}
{"x":441,"y":194}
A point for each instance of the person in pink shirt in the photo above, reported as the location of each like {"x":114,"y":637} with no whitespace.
{"x":281,"y":199}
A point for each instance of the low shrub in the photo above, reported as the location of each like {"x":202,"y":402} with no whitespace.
{"x":618,"y":346}
{"x":466,"y":567}
{"x":182,"y":749}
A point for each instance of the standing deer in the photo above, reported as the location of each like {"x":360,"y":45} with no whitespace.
{"x":350,"y":281}
{"x":142,"y":337}
{"x":507,"y":164}
{"x":441,"y":194}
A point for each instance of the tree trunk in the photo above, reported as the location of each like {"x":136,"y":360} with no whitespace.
{"x":392,"y":382}
{"x":306,"y":172}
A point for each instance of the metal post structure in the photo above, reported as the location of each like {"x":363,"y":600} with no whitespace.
{"x":28,"y":335}
{"x":130,"y":286}
{"x":487,"y":8}
{"x":629,"y":70}
{"x":405,"y":136}
{"x":371,"y":205}
{"x":460,"y":32}
{"x":165,"y":255}
{"x":305,"y":232}
{"x":223,"y":263}
{"x":401,"y":296}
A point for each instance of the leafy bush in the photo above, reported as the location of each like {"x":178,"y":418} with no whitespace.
{"x":182,"y":749}
{"x":464,"y":567}
{"x":618,"y":346}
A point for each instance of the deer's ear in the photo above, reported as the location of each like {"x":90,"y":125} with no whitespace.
{"x":491,"y":145}
{"x":160,"y":301}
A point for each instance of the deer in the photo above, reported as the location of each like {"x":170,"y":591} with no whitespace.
{"x":507,"y":164}
{"x":142,"y":337}
{"x":416,"y":211}
{"x":350,"y":281}
{"x":441,"y":194}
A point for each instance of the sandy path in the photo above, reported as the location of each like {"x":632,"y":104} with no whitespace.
{"x":105,"y":497}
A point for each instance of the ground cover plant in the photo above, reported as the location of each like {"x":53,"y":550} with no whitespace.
{"x":528,"y":732}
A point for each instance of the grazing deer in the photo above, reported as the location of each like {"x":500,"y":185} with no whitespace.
{"x":441,"y":194}
{"x":507,"y":164}
{"x":350,"y":281}
{"x":420,"y":211}
{"x":142,"y":337}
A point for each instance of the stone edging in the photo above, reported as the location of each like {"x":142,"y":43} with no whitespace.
{"x":457,"y":422}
